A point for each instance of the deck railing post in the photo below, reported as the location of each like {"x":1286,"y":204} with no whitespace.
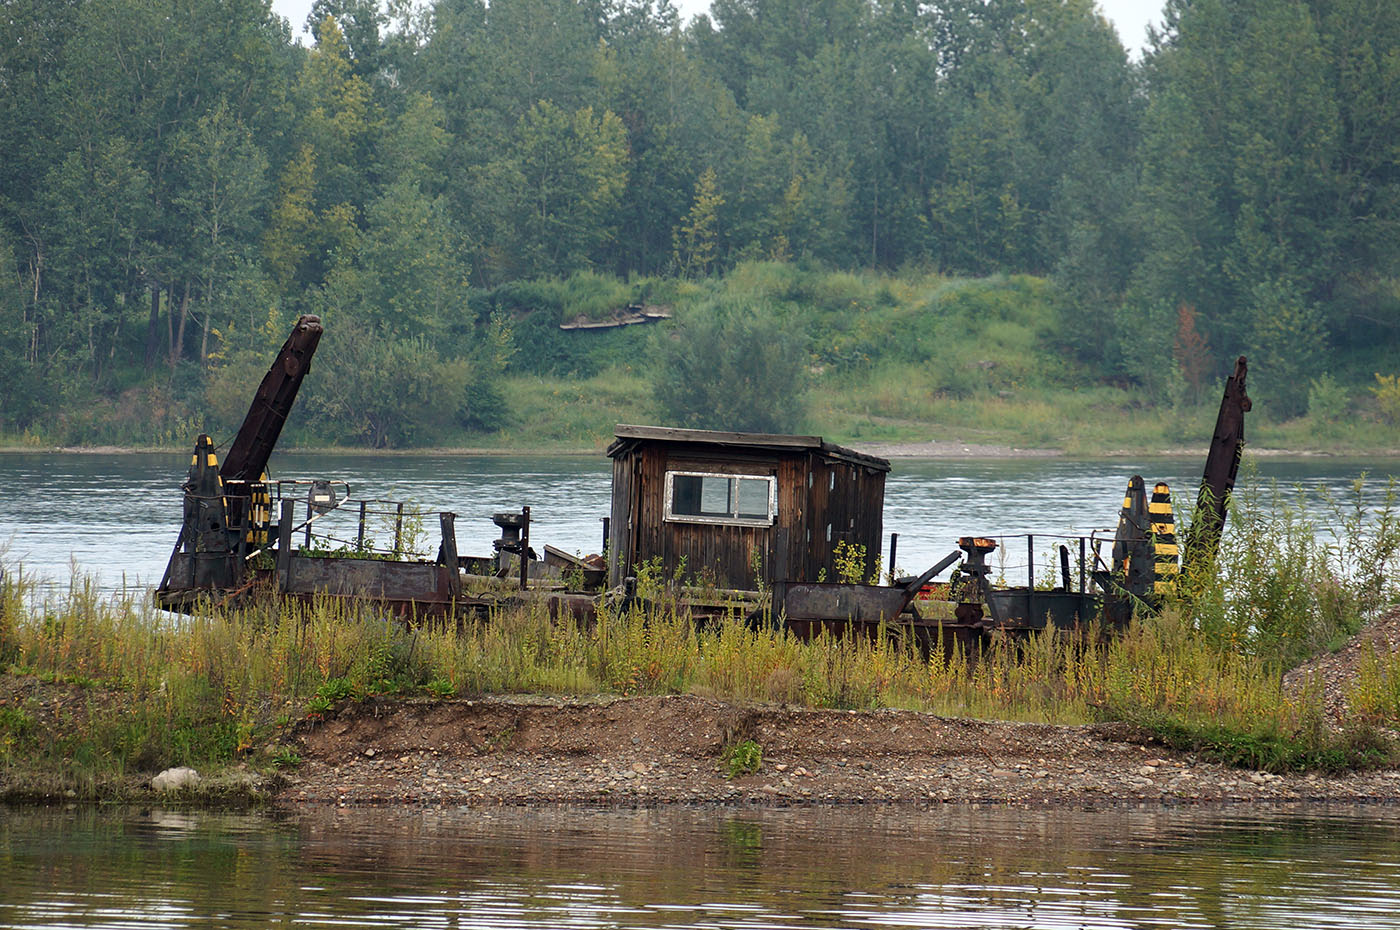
{"x":284,"y":543}
{"x":1081,"y":565}
{"x":524,"y":547}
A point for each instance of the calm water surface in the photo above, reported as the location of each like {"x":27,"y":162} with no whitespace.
{"x":956,"y":867}
{"x":116,"y":516}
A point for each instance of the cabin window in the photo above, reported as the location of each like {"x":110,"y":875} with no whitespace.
{"x":700,"y":497}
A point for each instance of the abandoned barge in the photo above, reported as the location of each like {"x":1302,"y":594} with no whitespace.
{"x":787,"y":530}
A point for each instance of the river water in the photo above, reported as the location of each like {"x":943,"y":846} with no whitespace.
{"x":856,"y":868}
{"x":115,"y":517}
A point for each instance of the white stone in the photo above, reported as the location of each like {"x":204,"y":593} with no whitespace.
{"x":176,"y":779}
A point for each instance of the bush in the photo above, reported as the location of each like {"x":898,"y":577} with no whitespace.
{"x":385,"y":391}
{"x":731,"y":364}
{"x":1387,"y":391}
{"x":1292,"y":579}
{"x":1327,"y":400}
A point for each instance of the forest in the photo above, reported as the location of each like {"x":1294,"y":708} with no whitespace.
{"x":872,"y":218}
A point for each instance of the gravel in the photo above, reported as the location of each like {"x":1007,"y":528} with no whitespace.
{"x":651,"y":751}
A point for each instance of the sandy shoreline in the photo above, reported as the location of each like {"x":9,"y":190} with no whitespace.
{"x":657,"y":751}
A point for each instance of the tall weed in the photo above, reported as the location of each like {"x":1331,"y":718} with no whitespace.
{"x":1293,"y":578}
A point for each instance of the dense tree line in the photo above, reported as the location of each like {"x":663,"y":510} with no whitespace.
{"x":179,"y":179}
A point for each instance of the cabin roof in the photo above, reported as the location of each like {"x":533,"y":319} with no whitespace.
{"x":772,"y":442}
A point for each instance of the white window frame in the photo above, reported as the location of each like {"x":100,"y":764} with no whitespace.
{"x":732,"y":520}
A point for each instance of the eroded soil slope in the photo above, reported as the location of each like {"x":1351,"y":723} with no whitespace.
{"x":660,"y":750}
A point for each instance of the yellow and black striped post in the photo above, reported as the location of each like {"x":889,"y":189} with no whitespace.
{"x":260,"y":512}
{"x":1164,"y":548}
{"x":205,"y":534}
{"x":1132,"y":552}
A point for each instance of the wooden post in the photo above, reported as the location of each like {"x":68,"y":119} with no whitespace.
{"x":524,"y":547}
{"x":894,"y":548}
{"x":449,"y":552}
{"x":360,"y":538}
{"x":284,"y":543}
{"x":777,"y":567}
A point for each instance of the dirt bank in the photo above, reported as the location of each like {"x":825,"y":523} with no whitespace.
{"x":667,"y":750}
{"x":1335,"y":674}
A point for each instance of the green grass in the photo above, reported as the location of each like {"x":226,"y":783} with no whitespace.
{"x":570,"y":414}
{"x":142,"y":690}
{"x":907,"y":357}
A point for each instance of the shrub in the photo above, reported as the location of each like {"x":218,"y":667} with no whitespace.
{"x":1293,"y":577}
{"x":1387,"y":391}
{"x":731,"y":364}
{"x":742,"y":758}
{"x":1327,"y":400}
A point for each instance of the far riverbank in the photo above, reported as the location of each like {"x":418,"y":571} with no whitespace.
{"x":931,"y":449}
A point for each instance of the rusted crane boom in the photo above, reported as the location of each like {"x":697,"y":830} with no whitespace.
{"x":248,"y":454}
{"x":227,"y":508}
{"x":1222,"y":467}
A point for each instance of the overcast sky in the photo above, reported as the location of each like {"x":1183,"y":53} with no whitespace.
{"x":1129,"y":16}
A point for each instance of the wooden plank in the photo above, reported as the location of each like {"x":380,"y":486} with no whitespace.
{"x":716,"y":437}
{"x":625,"y":431}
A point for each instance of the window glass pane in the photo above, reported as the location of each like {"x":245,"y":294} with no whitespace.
{"x":714,"y":497}
{"x":685,"y":494}
{"x":753,"y":498}
{"x":700,"y":496}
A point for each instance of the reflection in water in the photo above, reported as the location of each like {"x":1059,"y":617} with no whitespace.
{"x":955,"y":867}
{"x":118,"y":515}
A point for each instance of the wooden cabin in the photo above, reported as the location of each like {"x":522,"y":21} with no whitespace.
{"x":740,"y":509}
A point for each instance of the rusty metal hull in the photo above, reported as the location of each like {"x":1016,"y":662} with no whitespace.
{"x":1028,"y":610}
{"x":857,"y":603}
{"x":406,"y":589}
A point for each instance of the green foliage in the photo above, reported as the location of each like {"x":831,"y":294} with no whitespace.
{"x":155,"y":214}
{"x":1327,"y":400}
{"x":697,"y":239}
{"x":285,"y":757}
{"x":729,"y":364}
{"x":849,"y":559}
{"x":1387,"y":392}
{"x":1290,"y":342}
{"x":16,"y":728}
{"x":10,"y":607}
{"x":742,"y":758}
{"x":430,"y":393}
{"x":1295,"y":577}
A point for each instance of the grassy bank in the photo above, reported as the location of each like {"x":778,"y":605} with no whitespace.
{"x":890,"y":358}
{"x":140,"y":693}
{"x":899,"y":358}
{"x":98,"y":690}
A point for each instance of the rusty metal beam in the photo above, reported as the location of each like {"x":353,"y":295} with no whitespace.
{"x":1222,"y":467}
{"x":247,"y":457}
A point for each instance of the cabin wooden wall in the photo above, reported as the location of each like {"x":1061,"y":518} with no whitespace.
{"x":620,"y":539}
{"x":813,"y":491}
{"x":725,"y":554}
{"x":845,"y":502}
